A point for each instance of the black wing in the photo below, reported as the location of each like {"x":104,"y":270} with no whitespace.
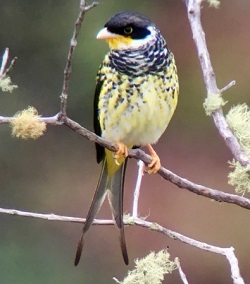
{"x":99,"y":149}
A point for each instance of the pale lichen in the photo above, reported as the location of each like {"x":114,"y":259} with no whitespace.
{"x":214,"y":3}
{"x":26,"y":125}
{"x":212,"y":103}
{"x":128,"y":219}
{"x":238,"y":119}
{"x":151,"y":269}
{"x":239,"y":177}
{"x":6,"y":84}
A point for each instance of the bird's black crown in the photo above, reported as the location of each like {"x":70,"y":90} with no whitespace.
{"x":129,"y":24}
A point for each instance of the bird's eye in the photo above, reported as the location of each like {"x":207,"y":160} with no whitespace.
{"x":128,"y":30}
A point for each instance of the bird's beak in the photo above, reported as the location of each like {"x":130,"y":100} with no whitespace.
{"x":105,"y":34}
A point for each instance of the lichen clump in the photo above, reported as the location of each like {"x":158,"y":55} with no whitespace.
{"x":239,"y":177}
{"x":6,"y":84}
{"x":151,"y":269}
{"x":214,"y":3}
{"x":212,"y":103}
{"x":238,"y":119}
{"x":26,"y":124}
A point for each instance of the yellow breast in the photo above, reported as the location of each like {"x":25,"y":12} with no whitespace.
{"x":137,"y":111}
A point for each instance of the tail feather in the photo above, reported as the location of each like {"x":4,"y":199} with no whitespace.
{"x":96,"y":204}
{"x":113,"y":184}
{"x":115,"y":195}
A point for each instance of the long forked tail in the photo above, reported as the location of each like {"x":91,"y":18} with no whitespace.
{"x":114,"y":186}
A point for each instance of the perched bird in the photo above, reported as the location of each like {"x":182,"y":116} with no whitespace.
{"x":135,"y":98}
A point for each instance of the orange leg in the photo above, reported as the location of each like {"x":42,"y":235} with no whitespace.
{"x":122,"y":151}
{"x":155,"y":165}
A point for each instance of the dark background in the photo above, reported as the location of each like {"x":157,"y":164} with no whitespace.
{"x":58,"y":173}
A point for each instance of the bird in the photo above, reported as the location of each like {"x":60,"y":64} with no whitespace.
{"x":135,"y":97}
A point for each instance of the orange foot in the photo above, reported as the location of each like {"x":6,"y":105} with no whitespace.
{"x":122,"y":151}
{"x":155,"y":165}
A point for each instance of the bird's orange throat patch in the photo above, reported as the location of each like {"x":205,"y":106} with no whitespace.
{"x":119,"y":42}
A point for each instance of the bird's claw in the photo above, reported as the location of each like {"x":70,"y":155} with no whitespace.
{"x":155,"y":165}
{"x":122,"y":151}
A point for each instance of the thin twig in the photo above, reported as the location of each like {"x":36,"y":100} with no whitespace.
{"x":227,"y":252}
{"x":12,"y":64}
{"x":182,"y":274}
{"x":52,"y":120}
{"x":88,"y":7}
{"x":228,"y":86}
{"x":116,"y":280}
{"x":73,"y":43}
{"x":5,"y":58}
{"x":4,"y":71}
{"x":137,"y":189}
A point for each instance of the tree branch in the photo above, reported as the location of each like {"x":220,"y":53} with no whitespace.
{"x":138,"y":154}
{"x":227,"y":252}
{"x":166,"y":174}
{"x":194,"y":16}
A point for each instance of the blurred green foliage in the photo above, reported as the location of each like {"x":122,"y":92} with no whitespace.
{"x":58,"y":173}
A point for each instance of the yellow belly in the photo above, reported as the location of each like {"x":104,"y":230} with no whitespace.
{"x":137,"y":112}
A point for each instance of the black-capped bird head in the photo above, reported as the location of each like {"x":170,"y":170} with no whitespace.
{"x":128,"y":30}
